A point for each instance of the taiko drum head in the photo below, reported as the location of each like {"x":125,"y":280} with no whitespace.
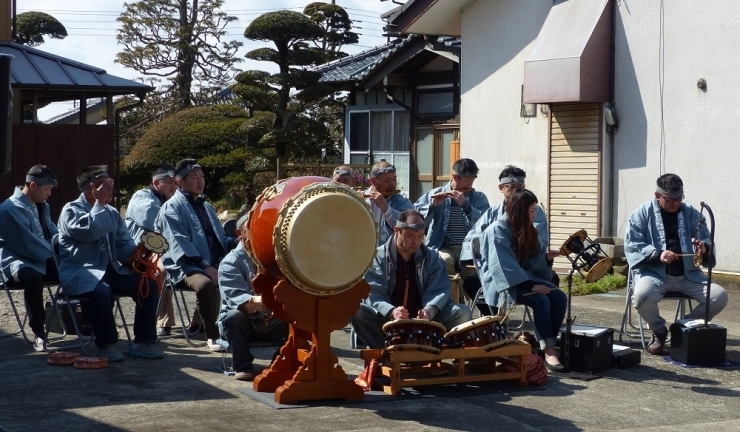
{"x":155,"y":242}
{"x":325,"y":238}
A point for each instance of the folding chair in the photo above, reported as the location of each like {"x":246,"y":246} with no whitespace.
{"x":627,"y":322}
{"x":180,"y":304}
{"x":61,"y":296}
{"x":9,"y":285}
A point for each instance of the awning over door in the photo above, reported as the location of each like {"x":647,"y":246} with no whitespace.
{"x":571,"y":58}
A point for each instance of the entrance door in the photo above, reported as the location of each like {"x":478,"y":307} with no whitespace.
{"x":433,"y":157}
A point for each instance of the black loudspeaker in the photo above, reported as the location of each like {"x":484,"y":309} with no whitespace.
{"x":6,"y":113}
{"x":591,"y":348}
{"x":694,"y":343}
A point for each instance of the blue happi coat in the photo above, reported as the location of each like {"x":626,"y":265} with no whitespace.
{"x":645,"y":236}
{"x":492,"y":215}
{"x":431,"y":278}
{"x":179,"y":224}
{"x":500,"y":269}
{"x":438,"y":218}
{"x":235,"y":275}
{"x":22,"y":241}
{"x":141,"y":213}
{"x":387,"y":221}
{"x":91,"y":237}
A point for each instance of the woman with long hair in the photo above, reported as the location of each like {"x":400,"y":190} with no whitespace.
{"x":514,"y":259}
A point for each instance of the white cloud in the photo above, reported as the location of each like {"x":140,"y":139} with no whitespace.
{"x":92,"y":26}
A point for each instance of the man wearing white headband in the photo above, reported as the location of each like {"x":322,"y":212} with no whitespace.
{"x":510,"y":179}
{"x":25,"y":244}
{"x":386,"y":203}
{"x":450,"y":211}
{"x":343,"y":174}
{"x":243,"y":318}
{"x":197,"y":244}
{"x":660,"y":242}
{"x":94,"y":249}
{"x":141,"y":214}
{"x":407,"y":280}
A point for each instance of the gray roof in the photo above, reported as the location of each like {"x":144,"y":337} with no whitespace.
{"x":357,"y":66}
{"x":36,"y":69}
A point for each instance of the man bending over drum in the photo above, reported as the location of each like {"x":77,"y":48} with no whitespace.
{"x":243,"y":318}
{"x":25,"y":244}
{"x":94,"y":247}
{"x":197,"y":244}
{"x":385,"y":201}
{"x":141,"y":214}
{"x":407,"y":280}
{"x":660,"y":242}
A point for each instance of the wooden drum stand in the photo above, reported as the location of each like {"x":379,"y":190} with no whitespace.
{"x":306,"y":368}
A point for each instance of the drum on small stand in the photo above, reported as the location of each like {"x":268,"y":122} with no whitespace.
{"x":485,"y":332}
{"x":589,"y":256}
{"x":414,"y":335}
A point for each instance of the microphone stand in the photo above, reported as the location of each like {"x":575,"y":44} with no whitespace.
{"x":710,"y":264}
{"x":568,"y":324}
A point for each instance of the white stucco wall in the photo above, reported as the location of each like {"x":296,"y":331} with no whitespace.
{"x":702,"y":129}
{"x":497,"y":37}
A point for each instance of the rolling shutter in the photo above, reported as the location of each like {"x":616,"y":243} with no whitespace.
{"x":575,"y":158}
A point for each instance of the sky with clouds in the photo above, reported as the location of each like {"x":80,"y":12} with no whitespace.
{"x":92,"y":27}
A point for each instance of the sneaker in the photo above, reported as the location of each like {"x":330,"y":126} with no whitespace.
{"x":39,"y":344}
{"x":246,"y":375}
{"x":657,"y":343}
{"x":164,"y":331}
{"x":218,"y":345}
{"x":145,"y":351}
{"x":111,"y":353}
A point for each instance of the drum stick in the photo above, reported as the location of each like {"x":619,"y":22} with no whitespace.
{"x":406,"y":295}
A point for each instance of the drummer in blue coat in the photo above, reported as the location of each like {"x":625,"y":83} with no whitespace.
{"x":94,"y":249}
{"x":450,"y":211}
{"x":141,"y":214}
{"x":25,"y":244}
{"x":514,"y":259}
{"x":510,"y":179}
{"x":197,"y":244}
{"x":659,"y":232}
{"x":407,"y":280}
{"x":243,"y":318}
{"x":386,"y":203}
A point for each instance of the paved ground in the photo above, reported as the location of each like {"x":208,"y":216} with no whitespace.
{"x":184,"y":392}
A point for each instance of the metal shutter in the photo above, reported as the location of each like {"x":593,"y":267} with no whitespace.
{"x":575,"y":158}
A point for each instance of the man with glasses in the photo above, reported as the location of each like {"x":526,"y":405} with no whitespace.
{"x":141,"y":214}
{"x":660,"y":242}
{"x":450,"y":211}
{"x":510,"y":179}
{"x":407,"y":280}
{"x":386,"y":203}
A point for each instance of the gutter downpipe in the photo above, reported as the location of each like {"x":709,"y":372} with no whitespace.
{"x":120,"y":111}
{"x":613,"y":206}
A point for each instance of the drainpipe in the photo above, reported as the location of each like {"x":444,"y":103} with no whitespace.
{"x":119,"y":111}
{"x":613,"y":206}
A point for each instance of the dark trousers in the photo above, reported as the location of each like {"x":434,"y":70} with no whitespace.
{"x":239,"y":330}
{"x":33,"y":294}
{"x":548,"y":310}
{"x":207,"y":301}
{"x":102,"y":299}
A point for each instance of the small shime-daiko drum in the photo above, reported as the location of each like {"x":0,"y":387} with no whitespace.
{"x":589,"y":256}
{"x":485,"y":332}
{"x":151,"y":246}
{"x":318,"y":234}
{"x":414,"y":335}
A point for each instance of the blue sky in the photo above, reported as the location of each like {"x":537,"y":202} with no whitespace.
{"x":92,"y":29}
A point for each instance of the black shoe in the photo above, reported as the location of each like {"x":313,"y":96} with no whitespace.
{"x":246,"y":375}
{"x":194,"y":329}
{"x":164,"y":331}
{"x":657,"y":343}
{"x":554,"y":367}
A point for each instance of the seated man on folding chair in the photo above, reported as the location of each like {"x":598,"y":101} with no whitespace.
{"x":94,"y":250}
{"x":141,"y":215}
{"x":510,"y":179}
{"x":660,"y":242}
{"x":407,"y":280}
{"x":197,"y":245}
{"x":25,"y":244}
{"x":243,"y":318}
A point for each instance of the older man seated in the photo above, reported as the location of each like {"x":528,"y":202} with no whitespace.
{"x":407,"y":280}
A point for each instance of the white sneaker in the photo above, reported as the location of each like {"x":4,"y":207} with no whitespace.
{"x":39,"y":344}
{"x":218,"y":345}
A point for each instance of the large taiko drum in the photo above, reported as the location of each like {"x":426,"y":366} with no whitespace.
{"x":485,"y":332}
{"x":318,"y":234}
{"x":414,"y":335}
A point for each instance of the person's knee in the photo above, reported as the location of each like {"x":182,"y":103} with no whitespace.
{"x":645,"y":292}
{"x":719,"y":298}
{"x":30,"y":278}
